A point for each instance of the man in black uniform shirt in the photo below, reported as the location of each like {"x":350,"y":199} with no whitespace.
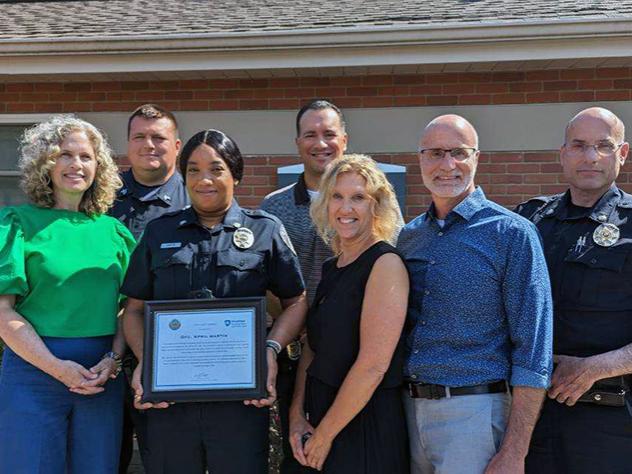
{"x":586,"y":425}
{"x":151,"y":188}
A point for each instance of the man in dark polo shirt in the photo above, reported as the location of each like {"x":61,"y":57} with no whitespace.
{"x":320,"y":138}
{"x":151,"y":188}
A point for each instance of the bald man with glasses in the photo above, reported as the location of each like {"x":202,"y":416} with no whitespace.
{"x":480,"y":317}
{"x":586,"y":426}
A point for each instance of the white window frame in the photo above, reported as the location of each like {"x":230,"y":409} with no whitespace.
{"x":17,"y":120}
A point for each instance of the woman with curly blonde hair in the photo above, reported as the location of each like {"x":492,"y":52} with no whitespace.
{"x":347,"y":413}
{"x":62,"y":262}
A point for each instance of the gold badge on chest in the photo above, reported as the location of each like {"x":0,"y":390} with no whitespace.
{"x":606,"y":235}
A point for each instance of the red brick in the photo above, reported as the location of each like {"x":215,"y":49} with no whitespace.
{"x":492,"y":88}
{"x":409,"y":79}
{"x":330,"y":91}
{"x":409,"y":101}
{"x":377,"y":102}
{"x":514,"y":98}
{"x":247,"y":83}
{"x":595,"y":84}
{"x":506,"y":178}
{"x":546,"y":75}
{"x":134,"y":85}
{"x":91,"y":96}
{"x":224,"y":104}
{"x":268,"y":93}
{"x":50,"y":107}
{"x":194,"y":105}
{"x":443,"y":100}
{"x":282,"y":160}
{"x":223,"y":83}
{"x":475,"y":76}
{"x":577,"y":74}
{"x":560,"y":86}
{"x":443,"y":78}
{"x":458,"y":89}
{"x":255,"y":104}
{"x":145,"y":96}
{"x":208,"y":94}
{"x":19,"y":87}
{"x":496,"y":189}
{"x":475,"y":99}
{"x":381,"y":80}
{"x":540,"y":158}
{"x":178,"y":95}
{"x":535,"y":86}
{"x":349,"y":102}
{"x":34,"y":97}
{"x":528,"y":189}
{"x":48,"y":87}
{"x":578,"y":96}
{"x":550,"y":168}
{"x":394,"y":90}
{"x":123,"y":95}
{"x":612,"y":95}
{"x":523,"y":168}
{"x":314,"y":82}
{"x":623,"y":84}
{"x":540,"y":178}
{"x":239,"y":94}
{"x":73,"y":107}
{"x":19,"y":107}
{"x":492,"y":168}
{"x":257,"y":180}
{"x":361,"y":91}
{"x":505,"y":157}
{"x":507,"y":76}
{"x":426,"y":90}
{"x":164,"y":85}
{"x":292,"y":104}
{"x":347,"y":81}
{"x":194,"y":84}
{"x":542,"y":97}
{"x":613,"y":72}
{"x":106,"y":86}
{"x":299,"y":93}
{"x":282,"y":82}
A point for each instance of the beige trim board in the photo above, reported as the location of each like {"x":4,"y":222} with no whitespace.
{"x":371,"y":130}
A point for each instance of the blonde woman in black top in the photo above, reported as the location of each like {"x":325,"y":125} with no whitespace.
{"x":347,"y":414}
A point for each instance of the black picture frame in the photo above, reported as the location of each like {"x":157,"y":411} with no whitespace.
{"x":211,"y":308}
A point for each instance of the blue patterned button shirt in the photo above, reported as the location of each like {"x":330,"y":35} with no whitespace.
{"x":480,"y":307}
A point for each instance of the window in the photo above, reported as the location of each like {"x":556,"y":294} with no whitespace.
{"x":10,"y":192}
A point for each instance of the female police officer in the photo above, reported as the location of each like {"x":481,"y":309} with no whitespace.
{"x":213,"y":245}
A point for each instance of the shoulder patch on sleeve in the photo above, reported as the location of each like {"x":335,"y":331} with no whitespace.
{"x":286,"y":239}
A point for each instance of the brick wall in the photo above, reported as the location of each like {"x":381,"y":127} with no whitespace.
{"x":573,"y":85}
{"x":508,"y":178}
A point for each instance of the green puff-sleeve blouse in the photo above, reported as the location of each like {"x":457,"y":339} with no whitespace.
{"x":64,"y":267}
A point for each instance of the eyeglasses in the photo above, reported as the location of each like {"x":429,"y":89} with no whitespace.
{"x":602,"y":148}
{"x":437,"y":154}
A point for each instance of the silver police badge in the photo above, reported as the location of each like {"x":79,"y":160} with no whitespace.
{"x":243,"y":238}
{"x":606,"y":235}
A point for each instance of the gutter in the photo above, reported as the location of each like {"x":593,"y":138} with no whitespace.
{"x":335,"y":38}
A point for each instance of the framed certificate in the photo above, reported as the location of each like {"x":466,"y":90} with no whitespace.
{"x":204,"y":350}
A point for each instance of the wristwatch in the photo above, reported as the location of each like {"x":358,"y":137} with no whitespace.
{"x":275,"y":346}
{"x":117,"y":360}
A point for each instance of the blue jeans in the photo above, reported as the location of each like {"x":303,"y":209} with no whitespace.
{"x":457,"y":435}
{"x":45,"y":428}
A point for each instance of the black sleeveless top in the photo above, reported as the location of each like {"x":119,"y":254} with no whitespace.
{"x":333,"y":320}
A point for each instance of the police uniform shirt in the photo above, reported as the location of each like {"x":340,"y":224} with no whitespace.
{"x":178,"y":255}
{"x":137,"y":205}
{"x":591,"y":283}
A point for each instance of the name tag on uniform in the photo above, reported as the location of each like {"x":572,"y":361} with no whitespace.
{"x":171,"y":245}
